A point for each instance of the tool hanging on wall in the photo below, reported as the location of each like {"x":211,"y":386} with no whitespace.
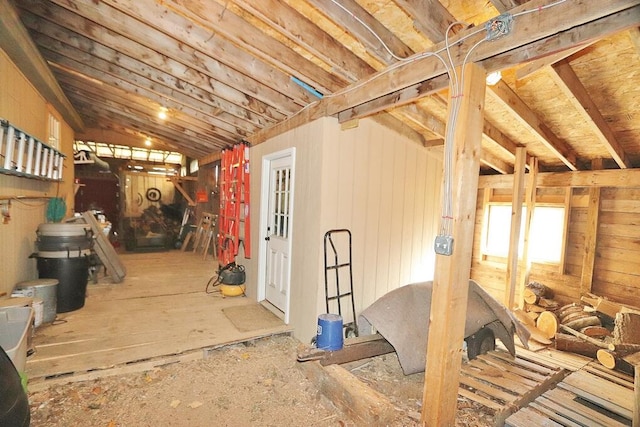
{"x":234,"y":226}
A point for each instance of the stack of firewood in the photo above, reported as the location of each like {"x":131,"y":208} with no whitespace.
{"x":594,"y":327}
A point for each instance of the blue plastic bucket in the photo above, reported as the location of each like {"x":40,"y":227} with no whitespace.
{"x":329,"y":332}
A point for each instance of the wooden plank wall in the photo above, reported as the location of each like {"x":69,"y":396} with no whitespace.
{"x":24,"y":107}
{"x":617,"y":265}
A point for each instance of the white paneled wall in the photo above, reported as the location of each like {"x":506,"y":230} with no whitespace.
{"x":371,"y":180}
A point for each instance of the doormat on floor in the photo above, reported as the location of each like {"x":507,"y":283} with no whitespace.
{"x":251,"y":317}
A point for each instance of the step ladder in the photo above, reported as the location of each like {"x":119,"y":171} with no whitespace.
{"x":234,"y":219}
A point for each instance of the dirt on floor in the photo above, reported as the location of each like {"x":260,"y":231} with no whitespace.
{"x":252,"y":384}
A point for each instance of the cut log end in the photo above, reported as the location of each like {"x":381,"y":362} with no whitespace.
{"x":607,"y":358}
{"x":547,"y":322}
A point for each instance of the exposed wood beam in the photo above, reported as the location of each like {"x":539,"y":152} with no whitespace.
{"x":623,"y":178}
{"x":530,"y":200}
{"x":211,"y":18}
{"x":209,"y":158}
{"x":451,"y":279}
{"x":393,"y":123}
{"x":300,"y":30}
{"x":591,"y":236}
{"x":502,"y":93}
{"x":118,"y":135}
{"x":549,"y":32}
{"x":95,"y":20}
{"x":343,"y":15}
{"x":634,"y":35}
{"x":529,"y":28}
{"x":219,"y":87}
{"x":575,"y":91}
{"x":395,"y":99}
{"x":517,"y":200}
{"x":72,"y":61}
{"x":423,"y":119}
{"x":430,"y":17}
{"x":17,"y":43}
{"x":546,"y":61}
{"x":506,"y":5}
{"x":67,"y":43}
{"x":495,"y":163}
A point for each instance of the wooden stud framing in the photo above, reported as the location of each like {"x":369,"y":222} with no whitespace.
{"x":516,"y":223}
{"x":530,"y":200}
{"x":451,"y":281}
{"x":591,"y":236}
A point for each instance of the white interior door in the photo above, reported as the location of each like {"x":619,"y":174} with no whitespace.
{"x":278,"y":231}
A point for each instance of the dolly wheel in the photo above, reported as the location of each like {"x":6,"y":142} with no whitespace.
{"x":350,"y":332}
{"x":481,"y":342}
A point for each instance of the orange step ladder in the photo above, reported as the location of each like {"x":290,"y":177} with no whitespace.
{"x":234,"y":218}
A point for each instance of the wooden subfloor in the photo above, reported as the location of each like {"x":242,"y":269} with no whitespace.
{"x":159,"y":312}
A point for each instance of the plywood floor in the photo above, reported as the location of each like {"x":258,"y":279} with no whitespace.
{"x":160,"y":310}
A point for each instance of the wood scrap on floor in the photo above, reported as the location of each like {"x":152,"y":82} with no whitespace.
{"x":590,"y":396}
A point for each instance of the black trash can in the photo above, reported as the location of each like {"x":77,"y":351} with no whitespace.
{"x":64,"y":251}
{"x":71,"y":268}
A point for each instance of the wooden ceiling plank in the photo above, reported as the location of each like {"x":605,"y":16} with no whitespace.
{"x":97,"y":20}
{"x":529,"y":28}
{"x":502,"y":93}
{"x":118,"y":135}
{"x":140,"y":90}
{"x":424,"y":119}
{"x":634,"y":35}
{"x":107,"y":131}
{"x":501,"y":140}
{"x":430,"y":17}
{"x":568,"y":81}
{"x":302,"y":31}
{"x":161,"y":23}
{"x":389,"y":121}
{"x":173,"y":130}
{"x":495,"y":163}
{"x":58,"y":39}
{"x":213,"y":18}
{"x":120,"y":101}
{"x":217,"y":87}
{"x":548,"y":60}
{"x":506,"y":5}
{"x":343,"y":15}
{"x":143,"y":80}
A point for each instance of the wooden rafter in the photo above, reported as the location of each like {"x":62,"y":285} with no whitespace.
{"x":502,"y":93}
{"x":505,"y":5}
{"x":211,"y":17}
{"x":549,"y":60}
{"x":575,"y":91}
{"x":343,"y":16}
{"x":300,"y":30}
{"x":430,"y":17}
{"x":77,"y":46}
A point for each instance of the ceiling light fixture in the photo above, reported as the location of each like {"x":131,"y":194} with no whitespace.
{"x":162,"y":114}
{"x":147,"y":142}
{"x":494,"y":78}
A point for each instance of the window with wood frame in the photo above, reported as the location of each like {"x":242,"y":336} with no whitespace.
{"x":546,"y":235}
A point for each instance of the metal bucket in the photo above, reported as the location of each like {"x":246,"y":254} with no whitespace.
{"x":44,"y":289}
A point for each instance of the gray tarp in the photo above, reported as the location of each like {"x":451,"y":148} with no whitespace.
{"x":402,"y":318}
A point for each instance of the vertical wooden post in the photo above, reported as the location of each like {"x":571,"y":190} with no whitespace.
{"x":530,"y":200}
{"x":451,"y":281}
{"x":591,"y":235}
{"x":516,"y":222}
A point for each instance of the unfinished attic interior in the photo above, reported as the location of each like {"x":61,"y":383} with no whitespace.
{"x":428,"y":210}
